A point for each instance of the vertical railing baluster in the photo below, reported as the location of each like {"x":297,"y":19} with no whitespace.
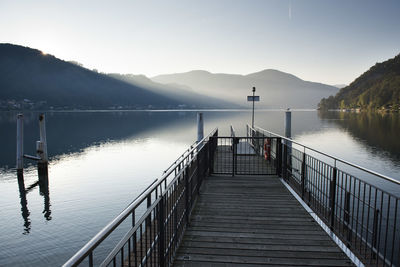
{"x":346,"y":216}
{"x":122,"y":256}
{"x":129,"y":253}
{"x":394,"y":231}
{"x":285,"y":158}
{"x":91,"y":259}
{"x":303,"y":175}
{"x":161,"y":231}
{"x":148,"y":220}
{"x":198,"y":170}
{"x":375,"y":232}
{"x":333,"y":197}
{"x":279,"y":156}
{"x":185,"y":176}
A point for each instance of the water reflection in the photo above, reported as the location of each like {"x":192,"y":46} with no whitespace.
{"x":24,"y":203}
{"x":43,"y":183}
{"x":70,"y":132}
{"x":375,"y":129}
{"x":100,"y":161}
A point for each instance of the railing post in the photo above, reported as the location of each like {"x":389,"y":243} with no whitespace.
{"x":279,"y":156}
{"x":210,"y":155}
{"x":186,"y":177}
{"x":333,"y":197}
{"x":148,"y":220}
{"x":234,"y":139}
{"x":303,"y":176}
{"x":198,"y":170}
{"x":161,"y":232}
{"x":91,"y":259}
{"x":375,"y":230}
{"x":346,"y":217}
{"x":285,"y":156}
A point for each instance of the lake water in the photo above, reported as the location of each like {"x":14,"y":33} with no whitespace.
{"x":100,"y":161}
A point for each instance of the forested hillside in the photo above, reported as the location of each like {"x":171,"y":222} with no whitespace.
{"x":378,"y":88}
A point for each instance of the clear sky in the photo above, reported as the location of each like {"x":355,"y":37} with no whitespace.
{"x":318,"y":40}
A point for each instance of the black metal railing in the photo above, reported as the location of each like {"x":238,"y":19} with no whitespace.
{"x":355,"y":207}
{"x":165,"y":207}
{"x":245,"y":155}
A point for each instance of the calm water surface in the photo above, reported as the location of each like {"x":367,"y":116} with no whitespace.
{"x":100,"y":161}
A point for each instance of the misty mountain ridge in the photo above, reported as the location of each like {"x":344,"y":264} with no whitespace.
{"x":33,"y":80}
{"x":277,"y":89}
{"x":182,"y":93}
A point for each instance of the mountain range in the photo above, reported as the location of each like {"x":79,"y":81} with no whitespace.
{"x":31,"y":79}
{"x":276,"y":89}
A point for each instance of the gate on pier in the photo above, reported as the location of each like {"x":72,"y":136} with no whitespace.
{"x":246,"y":156}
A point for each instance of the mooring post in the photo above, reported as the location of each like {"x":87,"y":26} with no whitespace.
{"x":20,"y":142}
{"x":41,"y":146}
{"x":288,"y":123}
{"x":288,"y":144}
{"x":200,"y":127}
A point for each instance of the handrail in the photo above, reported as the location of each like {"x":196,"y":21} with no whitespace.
{"x":330,"y":156}
{"x":106,"y":231}
{"x":181,"y":156}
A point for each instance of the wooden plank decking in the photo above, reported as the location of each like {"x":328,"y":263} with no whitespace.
{"x":247,"y":221}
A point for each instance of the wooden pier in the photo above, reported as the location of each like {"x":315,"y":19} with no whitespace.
{"x":241,"y":201}
{"x":253,"y":220}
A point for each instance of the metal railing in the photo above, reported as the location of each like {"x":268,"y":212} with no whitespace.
{"x":166,"y":207}
{"x":362,"y":214}
{"x":245,"y":156}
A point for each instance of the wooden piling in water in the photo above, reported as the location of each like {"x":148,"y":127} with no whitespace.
{"x":20,"y":142}
{"x":43,"y":139}
{"x":200,"y":127}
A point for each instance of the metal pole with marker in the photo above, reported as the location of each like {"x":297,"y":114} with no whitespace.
{"x":253,"y":98}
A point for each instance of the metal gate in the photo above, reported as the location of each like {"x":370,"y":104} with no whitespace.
{"x":246,"y":156}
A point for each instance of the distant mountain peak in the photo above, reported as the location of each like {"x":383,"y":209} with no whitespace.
{"x":273,"y":74}
{"x":277,"y":89}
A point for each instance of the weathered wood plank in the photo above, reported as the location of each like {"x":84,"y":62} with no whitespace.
{"x":186,"y":250}
{"x":276,"y":241}
{"x":250,"y":221}
{"x":263,"y":260}
{"x":251,"y":246}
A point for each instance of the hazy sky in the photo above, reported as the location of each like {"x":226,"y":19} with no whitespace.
{"x":326,"y":41}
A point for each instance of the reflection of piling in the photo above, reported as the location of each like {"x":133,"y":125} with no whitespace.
{"x":44,"y":188}
{"x":20,"y":142}
{"x":24,"y":203}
